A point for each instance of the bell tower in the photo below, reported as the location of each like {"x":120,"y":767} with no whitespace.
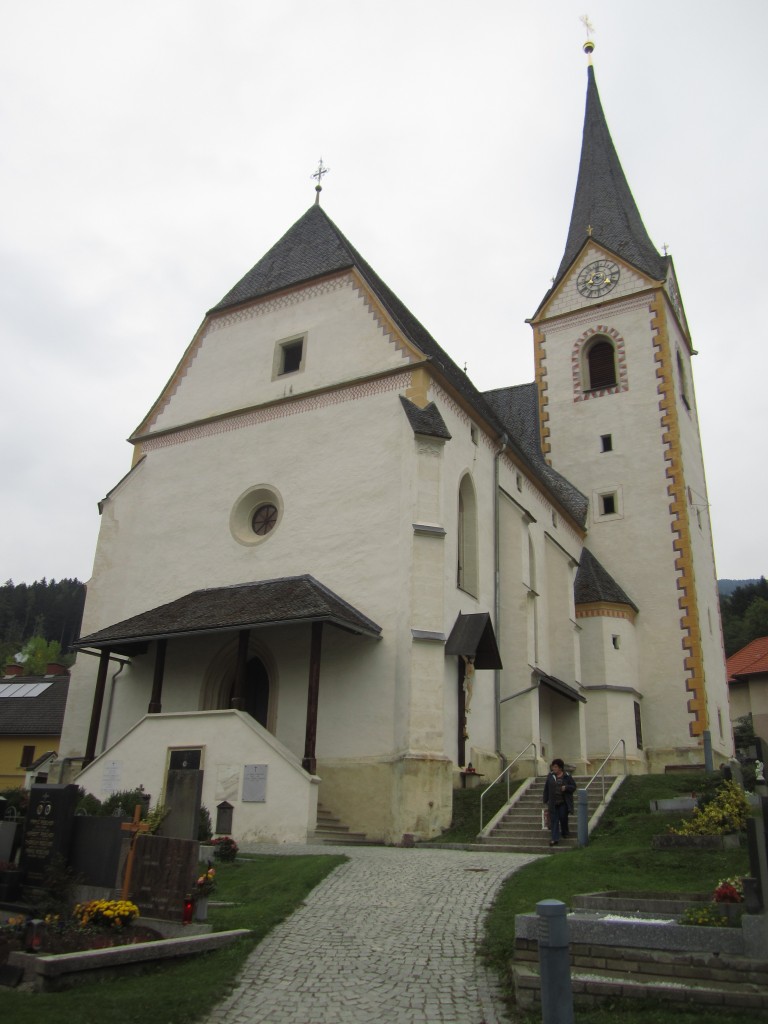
{"x":617,"y":417}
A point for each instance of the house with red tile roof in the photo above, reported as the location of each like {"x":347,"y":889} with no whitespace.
{"x":748,"y":684}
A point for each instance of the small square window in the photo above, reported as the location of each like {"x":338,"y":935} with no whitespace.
{"x":606,"y":442}
{"x":27,"y":757}
{"x":291,"y":354}
{"x":608,"y":504}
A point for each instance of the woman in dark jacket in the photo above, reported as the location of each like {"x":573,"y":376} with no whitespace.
{"x":558,"y":796}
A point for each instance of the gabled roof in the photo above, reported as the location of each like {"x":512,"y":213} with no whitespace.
{"x":40,"y":715}
{"x":750,"y":660}
{"x":603,"y":202}
{"x":293,"y":599}
{"x":315,"y":247}
{"x":594,"y":583}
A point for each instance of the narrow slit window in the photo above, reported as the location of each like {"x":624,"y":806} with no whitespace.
{"x":608,"y":504}
{"x":606,"y":442}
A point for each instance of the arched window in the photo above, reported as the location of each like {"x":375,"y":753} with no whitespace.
{"x":466,"y":564}
{"x":601,"y":365}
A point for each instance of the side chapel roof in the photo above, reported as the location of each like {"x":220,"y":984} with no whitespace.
{"x":314,"y":247}
{"x":594,"y":583}
{"x":603,"y":203}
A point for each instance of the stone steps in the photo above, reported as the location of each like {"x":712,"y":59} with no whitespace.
{"x":520,"y":831}
{"x":332,"y":830}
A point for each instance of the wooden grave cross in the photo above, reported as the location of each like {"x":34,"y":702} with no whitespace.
{"x":135,"y":826}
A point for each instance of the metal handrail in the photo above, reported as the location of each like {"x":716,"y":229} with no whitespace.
{"x":506,"y":772}
{"x":607,"y":759}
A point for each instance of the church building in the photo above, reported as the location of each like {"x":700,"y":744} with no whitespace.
{"x":337,"y":571}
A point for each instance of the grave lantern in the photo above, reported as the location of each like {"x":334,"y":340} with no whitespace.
{"x":33,"y":935}
{"x":189,"y":907}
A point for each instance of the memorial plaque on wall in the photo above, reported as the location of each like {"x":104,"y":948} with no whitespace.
{"x":48,"y":829}
{"x":163,"y":873}
{"x":255,"y":783}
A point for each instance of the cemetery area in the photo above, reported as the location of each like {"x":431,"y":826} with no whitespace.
{"x":82,"y":895}
{"x":622,"y":858}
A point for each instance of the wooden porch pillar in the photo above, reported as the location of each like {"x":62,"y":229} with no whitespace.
{"x":462,"y":734}
{"x":309,"y":762}
{"x":237,"y":700}
{"x":155,"y":701}
{"x":98,"y":700}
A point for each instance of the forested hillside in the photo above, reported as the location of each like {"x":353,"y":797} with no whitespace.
{"x":745,"y":615}
{"x":50,"y":609}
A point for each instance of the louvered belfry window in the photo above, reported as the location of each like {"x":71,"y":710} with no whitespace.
{"x":601,"y":360}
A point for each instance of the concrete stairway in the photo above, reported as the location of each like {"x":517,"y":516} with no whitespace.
{"x":520,"y":831}
{"x":331,"y":830}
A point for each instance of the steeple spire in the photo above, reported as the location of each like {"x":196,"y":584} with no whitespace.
{"x":603,"y":206}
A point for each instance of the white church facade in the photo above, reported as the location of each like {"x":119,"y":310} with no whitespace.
{"x":338,"y":566}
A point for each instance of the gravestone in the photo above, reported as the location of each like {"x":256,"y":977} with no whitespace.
{"x":757,"y":828}
{"x":48,"y":831}
{"x":183,"y":797}
{"x":8,"y":830}
{"x":95,"y":850}
{"x":164,"y":870}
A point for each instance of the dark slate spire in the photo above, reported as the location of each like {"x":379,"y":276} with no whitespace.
{"x":603,"y":204}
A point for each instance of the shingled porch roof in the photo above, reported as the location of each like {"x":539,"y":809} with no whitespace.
{"x":291,"y":600}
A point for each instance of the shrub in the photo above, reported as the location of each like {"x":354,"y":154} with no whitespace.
{"x":126,"y":800}
{"x":204,"y":825}
{"x":726,"y":812}
{"x":225,"y":848}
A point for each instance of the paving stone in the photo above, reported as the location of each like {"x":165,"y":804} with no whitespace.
{"x":390,"y":936}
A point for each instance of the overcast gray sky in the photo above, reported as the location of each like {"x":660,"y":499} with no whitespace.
{"x":153,"y":151}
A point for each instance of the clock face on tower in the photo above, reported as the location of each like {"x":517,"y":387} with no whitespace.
{"x":598,"y":278}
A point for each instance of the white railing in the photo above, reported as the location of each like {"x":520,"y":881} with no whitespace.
{"x":506,"y":772}
{"x":623,"y":745}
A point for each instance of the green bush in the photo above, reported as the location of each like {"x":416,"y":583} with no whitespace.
{"x":726,"y":812}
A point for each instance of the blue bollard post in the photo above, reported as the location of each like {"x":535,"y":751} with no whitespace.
{"x":554,"y":966}
{"x":582,"y":823}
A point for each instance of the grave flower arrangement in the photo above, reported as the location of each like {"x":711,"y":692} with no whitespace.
{"x":224,"y":848}
{"x":729,"y":890}
{"x":206,"y":883}
{"x":108,"y":913}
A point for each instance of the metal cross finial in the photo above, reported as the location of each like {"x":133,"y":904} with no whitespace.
{"x":589,"y":28}
{"x":665,"y":247}
{"x":319,"y":174}
{"x":589,"y":230}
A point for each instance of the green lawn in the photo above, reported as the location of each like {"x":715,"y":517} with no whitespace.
{"x":265,"y":891}
{"x":618,"y":857}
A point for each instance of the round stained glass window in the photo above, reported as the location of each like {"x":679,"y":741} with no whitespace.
{"x":264,"y":519}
